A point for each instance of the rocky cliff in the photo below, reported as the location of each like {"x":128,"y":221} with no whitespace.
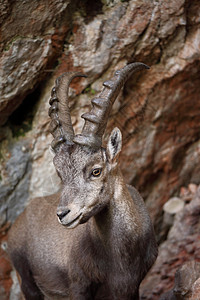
{"x":157,"y":111}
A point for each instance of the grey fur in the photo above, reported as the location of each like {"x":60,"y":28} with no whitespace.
{"x":105,"y":243}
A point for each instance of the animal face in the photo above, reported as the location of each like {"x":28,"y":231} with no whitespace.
{"x":87,"y":178}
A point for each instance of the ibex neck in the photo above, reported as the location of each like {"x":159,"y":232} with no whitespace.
{"x":118,"y":217}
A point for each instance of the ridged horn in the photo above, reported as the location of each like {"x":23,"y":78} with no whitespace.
{"x":96,"y":119}
{"x":61,"y":124}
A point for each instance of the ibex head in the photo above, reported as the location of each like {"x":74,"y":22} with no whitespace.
{"x":86,"y":169}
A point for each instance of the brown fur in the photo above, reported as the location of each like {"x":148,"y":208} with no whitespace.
{"x":105,"y":243}
{"x":106,"y":257}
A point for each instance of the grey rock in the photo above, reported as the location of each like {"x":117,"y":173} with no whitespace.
{"x":15,"y":182}
{"x":15,"y":291}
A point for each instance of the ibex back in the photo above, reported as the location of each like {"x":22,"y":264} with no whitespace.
{"x":108,"y":255}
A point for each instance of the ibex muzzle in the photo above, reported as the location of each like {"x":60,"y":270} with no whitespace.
{"x":109,"y":254}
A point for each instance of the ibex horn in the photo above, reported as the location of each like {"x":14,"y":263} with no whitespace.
{"x":96,"y":119}
{"x":61,"y":124}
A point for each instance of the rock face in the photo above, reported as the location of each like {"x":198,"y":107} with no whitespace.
{"x":15,"y":182}
{"x":186,"y":283}
{"x":182,"y":245}
{"x":157,"y":111}
{"x":27,"y":45}
{"x":5,"y":267}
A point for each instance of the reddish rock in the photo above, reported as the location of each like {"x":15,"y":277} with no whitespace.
{"x":28,"y":47}
{"x":182,"y":245}
{"x":186,"y":283}
{"x":5,"y":265}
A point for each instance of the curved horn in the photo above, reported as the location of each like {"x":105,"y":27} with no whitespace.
{"x":96,"y":119}
{"x":61,"y":125}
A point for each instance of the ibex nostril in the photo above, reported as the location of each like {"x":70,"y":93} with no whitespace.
{"x":62,"y":214}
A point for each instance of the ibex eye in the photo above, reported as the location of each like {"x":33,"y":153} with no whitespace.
{"x":96,"y":172}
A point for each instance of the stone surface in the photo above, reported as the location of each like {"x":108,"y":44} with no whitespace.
{"x":182,"y":245}
{"x":32,"y":35}
{"x":15,"y":177}
{"x":186,"y":283}
{"x":173,"y":205}
{"x":5,"y":266}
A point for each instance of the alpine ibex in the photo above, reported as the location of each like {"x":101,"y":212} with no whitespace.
{"x":104,"y":243}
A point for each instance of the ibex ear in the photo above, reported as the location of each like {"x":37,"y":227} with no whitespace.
{"x":114,"y":145}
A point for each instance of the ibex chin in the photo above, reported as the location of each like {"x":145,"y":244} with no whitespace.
{"x":104,"y":243}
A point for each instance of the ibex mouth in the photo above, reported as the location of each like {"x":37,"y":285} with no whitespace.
{"x":74,"y":222}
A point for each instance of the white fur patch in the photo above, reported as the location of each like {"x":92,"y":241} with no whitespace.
{"x":114,"y":143}
{"x":124,"y":208}
{"x":118,"y":189}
